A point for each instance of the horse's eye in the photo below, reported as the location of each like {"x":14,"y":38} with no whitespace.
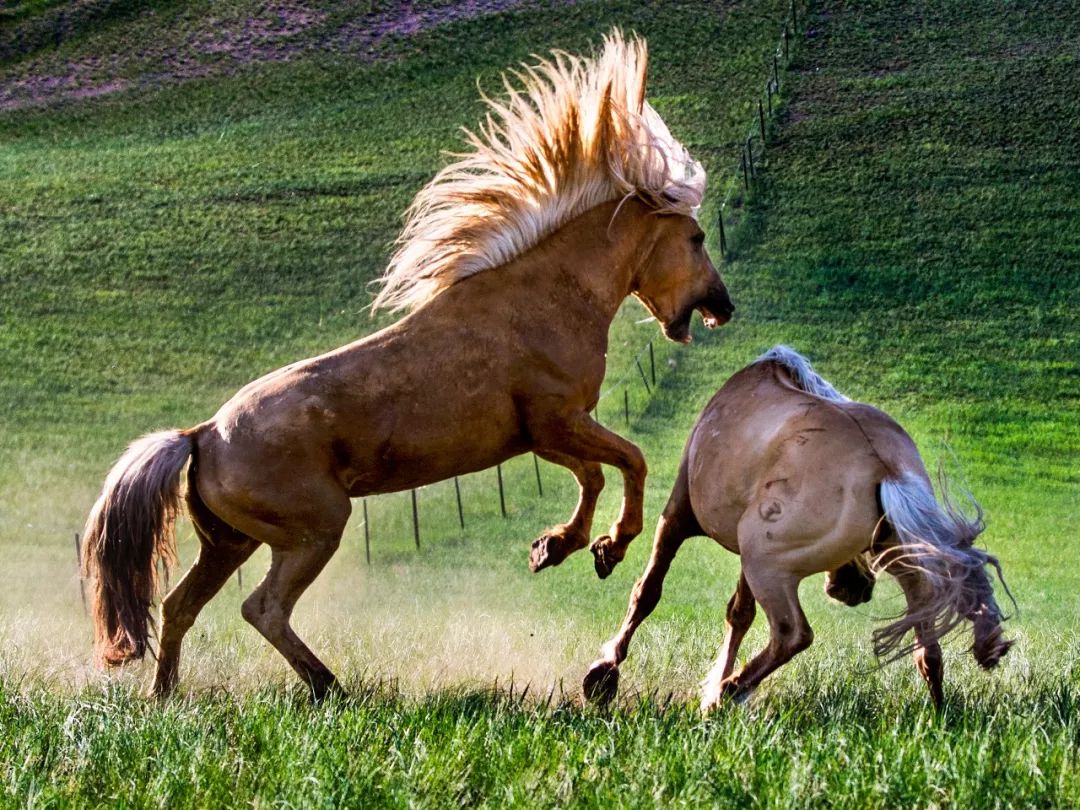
{"x":697,"y":240}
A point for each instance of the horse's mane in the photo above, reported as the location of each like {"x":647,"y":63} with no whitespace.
{"x":802,"y":373}
{"x":575,"y":133}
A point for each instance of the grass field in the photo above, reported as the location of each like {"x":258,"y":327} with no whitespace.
{"x":165,"y":240}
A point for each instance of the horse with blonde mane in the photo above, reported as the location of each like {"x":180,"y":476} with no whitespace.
{"x":797,"y":479}
{"x":512,"y":263}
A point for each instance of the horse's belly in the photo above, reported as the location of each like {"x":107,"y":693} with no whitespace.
{"x":412,"y":468}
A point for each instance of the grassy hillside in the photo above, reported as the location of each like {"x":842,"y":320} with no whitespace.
{"x":914,"y":232}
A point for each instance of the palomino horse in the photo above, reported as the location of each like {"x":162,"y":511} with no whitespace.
{"x":513,"y":262}
{"x":797,"y":479}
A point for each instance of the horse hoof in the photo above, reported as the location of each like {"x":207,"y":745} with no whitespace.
{"x":603,"y":561}
{"x":542,"y":554}
{"x":601,"y":683}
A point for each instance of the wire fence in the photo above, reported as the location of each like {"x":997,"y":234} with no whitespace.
{"x":626,"y":396}
{"x":453,"y":503}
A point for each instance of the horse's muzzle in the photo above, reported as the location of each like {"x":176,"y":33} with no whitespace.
{"x":716,"y":309}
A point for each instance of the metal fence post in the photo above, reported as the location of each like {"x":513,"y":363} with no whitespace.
{"x":502,"y":496}
{"x":415,"y":520}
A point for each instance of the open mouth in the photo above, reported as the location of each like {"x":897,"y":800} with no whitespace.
{"x":712,"y":319}
{"x":678,"y":329}
{"x":714,"y":313}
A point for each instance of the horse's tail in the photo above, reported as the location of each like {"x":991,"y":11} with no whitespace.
{"x":937,"y":540}
{"x":128,"y":531}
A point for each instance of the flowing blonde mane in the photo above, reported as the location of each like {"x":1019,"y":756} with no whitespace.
{"x":578,"y":132}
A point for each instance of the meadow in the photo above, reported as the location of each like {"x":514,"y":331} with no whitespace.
{"x":169,"y":233}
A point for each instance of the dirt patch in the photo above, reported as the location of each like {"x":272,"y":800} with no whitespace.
{"x":212,"y":45}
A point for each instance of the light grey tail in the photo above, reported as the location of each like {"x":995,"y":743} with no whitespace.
{"x":938,"y":542}
{"x":802,"y":373}
{"x":129,"y":529}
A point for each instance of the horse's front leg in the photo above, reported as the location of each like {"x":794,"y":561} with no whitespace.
{"x":558,"y":542}
{"x":582,"y":437}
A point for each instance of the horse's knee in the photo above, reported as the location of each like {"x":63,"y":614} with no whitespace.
{"x":174,"y":619}
{"x":255,"y":613}
{"x":592,"y":479}
{"x":802,"y":638}
{"x":792,"y":639}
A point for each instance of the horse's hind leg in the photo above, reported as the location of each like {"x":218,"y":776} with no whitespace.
{"x":789,"y":633}
{"x":740,"y":615}
{"x":222,"y":550}
{"x":557,"y":543}
{"x":676,"y":524}
{"x":270,"y":606}
{"x":927,"y":652}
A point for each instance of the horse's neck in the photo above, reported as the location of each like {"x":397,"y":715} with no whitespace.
{"x":594,"y":256}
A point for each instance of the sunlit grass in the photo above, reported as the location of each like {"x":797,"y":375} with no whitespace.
{"x":912,"y":233}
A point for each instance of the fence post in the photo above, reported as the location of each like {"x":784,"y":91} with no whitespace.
{"x":750,"y":153}
{"x":652,"y":363}
{"x":626,"y":404}
{"x":502,"y":497}
{"x":745,"y":173}
{"x":78,"y":570}
{"x":723,"y":236}
{"x":761,"y":119}
{"x":460,"y":511}
{"x":641,"y":371}
{"x":367,"y":534}
{"x":415,"y":520}
{"x":536,"y":467}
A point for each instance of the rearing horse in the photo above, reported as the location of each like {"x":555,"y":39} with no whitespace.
{"x":513,"y":262}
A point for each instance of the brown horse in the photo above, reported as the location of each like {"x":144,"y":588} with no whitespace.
{"x":798,"y":479}
{"x":513,"y":262}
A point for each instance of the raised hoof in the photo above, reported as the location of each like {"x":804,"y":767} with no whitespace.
{"x":601,"y":683}
{"x":604,"y":557}
{"x":545,"y":552}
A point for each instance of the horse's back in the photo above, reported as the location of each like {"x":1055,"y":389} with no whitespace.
{"x":797,"y":471}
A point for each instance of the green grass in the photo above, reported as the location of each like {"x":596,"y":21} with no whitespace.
{"x":914,"y":232}
{"x":846,"y":743}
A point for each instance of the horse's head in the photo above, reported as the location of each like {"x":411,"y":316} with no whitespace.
{"x":676,"y":277}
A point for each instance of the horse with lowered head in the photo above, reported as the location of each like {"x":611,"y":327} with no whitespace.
{"x":512,"y":264}
{"x":797,"y":479}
